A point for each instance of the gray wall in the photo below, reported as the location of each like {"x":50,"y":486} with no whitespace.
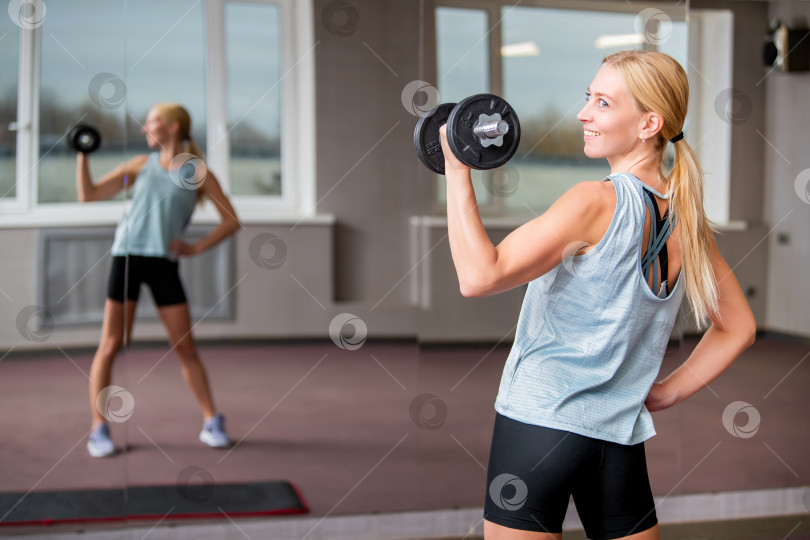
{"x":375,"y":261}
{"x":366,"y":169}
{"x":787,"y":199}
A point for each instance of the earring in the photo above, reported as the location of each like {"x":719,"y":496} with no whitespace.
{"x":643,"y":140}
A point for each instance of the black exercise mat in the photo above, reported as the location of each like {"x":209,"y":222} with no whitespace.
{"x":151,"y":502}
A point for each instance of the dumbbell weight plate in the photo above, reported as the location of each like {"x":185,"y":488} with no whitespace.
{"x":426,"y":138}
{"x":84,"y":138}
{"x":467,"y":146}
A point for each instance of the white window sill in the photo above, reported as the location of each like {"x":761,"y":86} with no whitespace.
{"x":109,"y":214}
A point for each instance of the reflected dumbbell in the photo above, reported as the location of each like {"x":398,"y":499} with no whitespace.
{"x":83,"y":138}
{"x":483,"y":132}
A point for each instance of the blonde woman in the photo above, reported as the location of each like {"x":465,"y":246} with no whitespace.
{"x":607,"y":267}
{"x":148,"y":242}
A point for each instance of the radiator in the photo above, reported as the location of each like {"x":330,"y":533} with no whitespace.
{"x":75,"y":265}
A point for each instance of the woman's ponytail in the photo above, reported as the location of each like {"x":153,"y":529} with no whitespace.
{"x":174,"y":112}
{"x":659,"y":83}
{"x":194,"y":149}
{"x":695,"y":233}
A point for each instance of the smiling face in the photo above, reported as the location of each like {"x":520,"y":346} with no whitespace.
{"x":157,"y":130}
{"x":612,"y":122}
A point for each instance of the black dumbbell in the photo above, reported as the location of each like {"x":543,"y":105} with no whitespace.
{"x":483,"y":132}
{"x":83,"y":138}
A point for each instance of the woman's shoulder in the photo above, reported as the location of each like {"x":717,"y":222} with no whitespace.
{"x":589,"y":205}
{"x":596,"y":194}
{"x":133,"y":166}
{"x":139,"y":161}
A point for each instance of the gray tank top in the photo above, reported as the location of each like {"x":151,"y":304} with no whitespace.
{"x":592,"y":334}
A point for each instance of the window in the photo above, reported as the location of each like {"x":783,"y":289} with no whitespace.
{"x":463,"y":55}
{"x":253,"y":60}
{"x":145,"y":59}
{"x":541,"y":60}
{"x":242,"y":69}
{"x":462,"y":63}
{"x":165,"y":61}
{"x":69,"y":58}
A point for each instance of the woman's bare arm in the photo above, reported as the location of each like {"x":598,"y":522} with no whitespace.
{"x":228,"y":225}
{"x":110,"y":184}
{"x":579,"y":218}
{"x":732,"y":331}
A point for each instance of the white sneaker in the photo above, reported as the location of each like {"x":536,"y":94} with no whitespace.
{"x":213,"y":432}
{"x":99,"y":444}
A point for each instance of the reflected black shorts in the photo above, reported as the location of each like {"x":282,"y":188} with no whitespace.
{"x":160,"y":274}
{"x":533,"y":471}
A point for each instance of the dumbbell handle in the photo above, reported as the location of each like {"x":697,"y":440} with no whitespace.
{"x":83,"y":138}
{"x":491,"y":130}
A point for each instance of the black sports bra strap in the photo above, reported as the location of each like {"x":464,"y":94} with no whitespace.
{"x":660,"y":229}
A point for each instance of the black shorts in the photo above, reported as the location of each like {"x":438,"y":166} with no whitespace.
{"x":533,"y":471}
{"x":161,"y":275}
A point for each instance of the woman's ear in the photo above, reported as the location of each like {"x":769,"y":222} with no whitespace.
{"x":651,"y":124}
{"x":174,"y":128}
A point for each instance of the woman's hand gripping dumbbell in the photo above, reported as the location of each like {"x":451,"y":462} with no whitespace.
{"x":483,"y":132}
{"x":83,"y":138}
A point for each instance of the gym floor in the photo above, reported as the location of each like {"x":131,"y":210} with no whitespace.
{"x":389,"y":427}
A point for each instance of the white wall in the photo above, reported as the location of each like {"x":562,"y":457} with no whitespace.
{"x":787,"y":177}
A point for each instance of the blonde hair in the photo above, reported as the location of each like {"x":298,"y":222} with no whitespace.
{"x":174,"y":112}
{"x":658,"y":83}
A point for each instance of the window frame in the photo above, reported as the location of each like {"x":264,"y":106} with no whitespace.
{"x":297,"y":197}
{"x":297,"y":119}
{"x":26,"y":162}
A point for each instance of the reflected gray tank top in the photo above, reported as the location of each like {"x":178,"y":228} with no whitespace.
{"x":160,"y":211}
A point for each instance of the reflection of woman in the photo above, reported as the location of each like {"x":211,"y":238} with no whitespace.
{"x":605,"y":284}
{"x":147,"y":242}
